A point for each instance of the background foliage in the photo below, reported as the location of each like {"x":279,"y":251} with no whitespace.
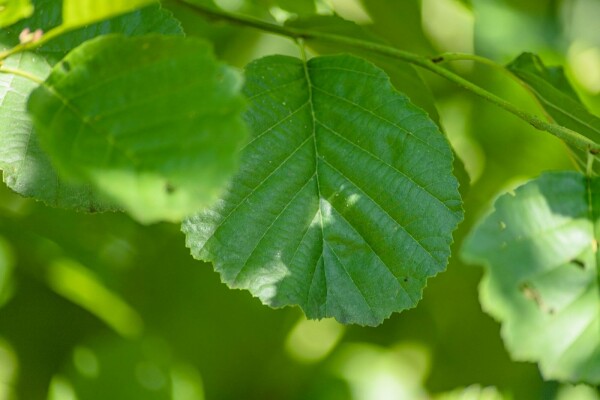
{"x":105,"y":307}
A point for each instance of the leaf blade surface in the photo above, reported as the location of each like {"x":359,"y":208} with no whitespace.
{"x":153,"y":122}
{"x":334,"y":208}
{"x":540,"y":250}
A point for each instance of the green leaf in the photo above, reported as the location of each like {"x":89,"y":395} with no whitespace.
{"x":78,"y":13}
{"x":12,"y":11}
{"x":345,"y":202}
{"x":560,"y":101}
{"x":540,"y":249}
{"x":26,"y":168}
{"x":153,"y":122}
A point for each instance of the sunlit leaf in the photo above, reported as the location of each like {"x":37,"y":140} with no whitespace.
{"x":12,"y":11}
{"x":78,"y":13}
{"x":540,"y":249}
{"x":554,"y":92}
{"x":153,"y":122}
{"x":26,"y":169}
{"x":345,"y":202}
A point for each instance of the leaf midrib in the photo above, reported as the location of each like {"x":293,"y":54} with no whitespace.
{"x":318,"y":157}
{"x":311,"y":104}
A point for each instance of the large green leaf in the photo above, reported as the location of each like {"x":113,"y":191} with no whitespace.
{"x":560,"y":101}
{"x":153,"y":122}
{"x":26,"y":169}
{"x":12,"y":11}
{"x":540,"y":249}
{"x":345,"y":202}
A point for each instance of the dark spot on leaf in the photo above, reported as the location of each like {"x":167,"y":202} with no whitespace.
{"x":532,"y":294}
{"x":92,"y":209}
{"x":578,"y":263}
{"x":169,"y":188}
{"x":66,"y":66}
{"x":405,"y":279}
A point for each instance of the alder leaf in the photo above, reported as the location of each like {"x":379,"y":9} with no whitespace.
{"x":12,"y":11}
{"x":345,"y":201}
{"x":540,"y":250}
{"x":153,"y":122}
{"x":26,"y":169}
{"x":558,"y":98}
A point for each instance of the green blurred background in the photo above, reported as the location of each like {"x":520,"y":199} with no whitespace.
{"x":99,"y":307}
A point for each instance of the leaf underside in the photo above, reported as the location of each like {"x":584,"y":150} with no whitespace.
{"x":345,"y":201}
{"x":153,"y":122}
{"x":26,"y":168}
{"x":540,"y":249}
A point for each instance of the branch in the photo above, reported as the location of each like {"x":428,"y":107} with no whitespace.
{"x":569,"y":136}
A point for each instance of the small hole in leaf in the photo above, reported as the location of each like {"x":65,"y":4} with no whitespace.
{"x":169,"y":188}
